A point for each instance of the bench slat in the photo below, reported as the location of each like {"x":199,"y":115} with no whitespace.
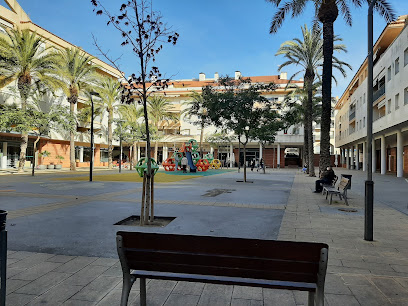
{"x":225,"y":280}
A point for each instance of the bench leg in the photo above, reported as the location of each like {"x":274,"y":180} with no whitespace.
{"x":345,"y":199}
{"x":127,"y":285}
{"x":311,"y":299}
{"x":331,"y":199}
{"x":142,"y":292}
{"x":327,"y":194}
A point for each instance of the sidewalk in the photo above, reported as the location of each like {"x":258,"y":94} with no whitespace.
{"x":359,"y":272}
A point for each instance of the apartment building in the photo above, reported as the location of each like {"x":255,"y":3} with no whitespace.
{"x":57,"y":142}
{"x":286,"y":151}
{"x":390,"y":107}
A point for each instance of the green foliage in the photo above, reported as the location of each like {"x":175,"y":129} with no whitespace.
{"x":240,"y":107}
{"x":44,"y":154}
{"x":195,"y":111}
{"x":219,"y":139}
{"x":159,"y":110}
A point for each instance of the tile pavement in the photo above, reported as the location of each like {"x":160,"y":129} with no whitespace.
{"x":359,"y":272}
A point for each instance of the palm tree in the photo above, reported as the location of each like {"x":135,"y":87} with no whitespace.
{"x":308,"y":53}
{"x":78,"y":73}
{"x":131,"y":115}
{"x":109,"y":90}
{"x":195,"y":110}
{"x":22,"y":59}
{"x":159,"y":111}
{"x":326,"y":12}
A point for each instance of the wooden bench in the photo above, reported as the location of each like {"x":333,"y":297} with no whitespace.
{"x":341,"y":190}
{"x":219,"y":260}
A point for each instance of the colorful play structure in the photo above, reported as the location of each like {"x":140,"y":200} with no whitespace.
{"x":194,"y":161}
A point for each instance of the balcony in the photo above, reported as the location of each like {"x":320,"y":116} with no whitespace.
{"x":379,"y":93}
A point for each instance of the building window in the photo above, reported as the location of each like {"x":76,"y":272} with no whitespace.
{"x":389,"y":74}
{"x":364,"y":100}
{"x":406,"y":96}
{"x":364,"y":122}
{"x":389,"y":106}
{"x":397,"y":101}
{"x":397,"y":65}
{"x":360,"y":125}
{"x":405,"y":57}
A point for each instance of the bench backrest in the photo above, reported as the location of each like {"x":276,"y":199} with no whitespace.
{"x":220,"y":256}
{"x":343,"y":184}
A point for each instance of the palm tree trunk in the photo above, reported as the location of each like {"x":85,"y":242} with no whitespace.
{"x":156,"y":149}
{"x":23,"y":150}
{"x":309,"y":77}
{"x":201,"y":140}
{"x":72,"y":165}
{"x":35,"y":153}
{"x":134,"y":154}
{"x":328,"y":13}
{"x":110,"y":137}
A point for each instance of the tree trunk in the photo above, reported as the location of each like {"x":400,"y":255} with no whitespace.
{"x":201,"y":140}
{"x":305,"y":138}
{"x":134,"y":159}
{"x":34,"y":153}
{"x":156,"y":149}
{"x":328,"y":13}
{"x":72,"y":165}
{"x":110,"y":137}
{"x":23,"y":150}
{"x":309,"y":77}
{"x":131,"y":157}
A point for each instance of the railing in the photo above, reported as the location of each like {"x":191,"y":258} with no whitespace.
{"x":352,"y":115}
{"x":377,"y":94}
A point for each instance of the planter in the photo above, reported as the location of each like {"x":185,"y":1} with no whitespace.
{"x":50,"y":166}
{"x":42,"y":167}
{"x":59,"y":167}
{"x":3,"y":218}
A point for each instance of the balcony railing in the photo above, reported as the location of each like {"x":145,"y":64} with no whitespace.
{"x":352,"y":115}
{"x":377,"y":94}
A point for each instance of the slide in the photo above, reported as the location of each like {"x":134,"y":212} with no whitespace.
{"x":190,"y":162}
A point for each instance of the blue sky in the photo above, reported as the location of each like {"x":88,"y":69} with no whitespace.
{"x":215,"y":35}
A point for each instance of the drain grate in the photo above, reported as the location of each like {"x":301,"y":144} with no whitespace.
{"x":351,"y":210}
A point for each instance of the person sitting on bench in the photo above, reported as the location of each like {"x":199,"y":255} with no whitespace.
{"x":326,"y":177}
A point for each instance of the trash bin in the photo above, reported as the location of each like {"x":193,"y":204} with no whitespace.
{"x":347,"y":176}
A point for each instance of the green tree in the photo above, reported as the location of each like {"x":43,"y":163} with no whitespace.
{"x":326,"y":12}
{"x":22,"y":59}
{"x":218,"y":140}
{"x":78,"y":73}
{"x":240,"y":107}
{"x":197,"y":114}
{"x":159,"y":109}
{"x":308,"y":54}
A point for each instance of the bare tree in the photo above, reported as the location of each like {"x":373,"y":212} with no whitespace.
{"x":143,"y":31}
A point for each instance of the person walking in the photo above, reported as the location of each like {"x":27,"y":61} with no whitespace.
{"x":261,"y":164}
{"x":184,"y":163}
{"x":253,"y":165}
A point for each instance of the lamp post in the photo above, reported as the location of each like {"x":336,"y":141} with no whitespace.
{"x":369,"y":184}
{"x":120,"y":122}
{"x":92,"y":93}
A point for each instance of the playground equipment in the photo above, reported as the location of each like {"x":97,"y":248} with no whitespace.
{"x":202,"y":165}
{"x":215,"y":164}
{"x":194,"y":161}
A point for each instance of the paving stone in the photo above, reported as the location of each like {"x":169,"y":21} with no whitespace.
{"x":56,"y":295}
{"x":158,"y":291}
{"x":300,"y":297}
{"x":43,"y":283}
{"x":335,"y":284}
{"x":356,"y":280}
{"x":340,"y":300}
{"x":279,"y":297}
{"x":13,"y":271}
{"x":402,"y":281}
{"x":390,"y":288}
{"x":75,"y":264}
{"x":182,"y":299}
{"x":18,"y":255}
{"x":30,"y":261}
{"x":369,"y":296}
{"x":115,"y":270}
{"x":216,"y":295}
{"x":189,"y":288}
{"x":61,"y":258}
{"x":79,"y":303}
{"x":86,"y":275}
{"x":37,"y":271}
{"x":17,"y":299}
{"x":105,"y":262}
{"x":97,"y":289}
{"x":14,"y":284}
{"x":114,"y":296}
{"x":243,"y":302}
{"x":247,"y":293}
{"x":399,"y":268}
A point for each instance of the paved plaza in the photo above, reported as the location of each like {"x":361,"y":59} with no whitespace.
{"x":62,"y":247}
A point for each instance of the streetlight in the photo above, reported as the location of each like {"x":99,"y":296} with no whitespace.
{"x":92,"y":93}
{"x":369,"y":184}
{"x":120,"y":144}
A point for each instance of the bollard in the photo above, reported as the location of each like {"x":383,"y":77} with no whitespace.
{"x":3,"y":256}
